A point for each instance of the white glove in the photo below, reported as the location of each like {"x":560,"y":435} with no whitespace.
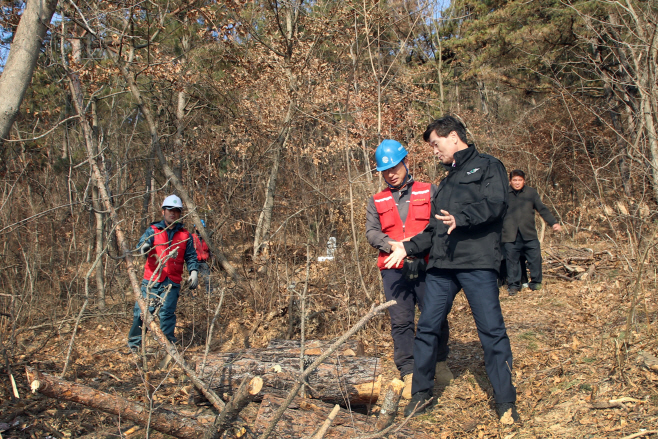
{"x":144,"y":249}
{"x":193,"y":280}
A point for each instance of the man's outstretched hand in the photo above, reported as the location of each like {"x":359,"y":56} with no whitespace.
{"x":448,"y":220}
{"x":397,"y":255}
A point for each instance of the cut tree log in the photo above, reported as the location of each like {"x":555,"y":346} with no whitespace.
{"x":162,"y":420}
{"x":351,"y":348}
{"x":338,"y":380}
{"x":389,"y":407}
{"x":304,"y":416}
{"x":246,"y":393}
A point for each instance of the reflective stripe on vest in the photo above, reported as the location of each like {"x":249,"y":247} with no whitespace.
{"x":418,"y":216}
{"x":202,"y":251}
{"x":173,"y":268}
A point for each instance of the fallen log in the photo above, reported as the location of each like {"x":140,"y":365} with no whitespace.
{"x":338,"y":379}
{"x":351,"y":348}
{"x":246,"y":393}
{"x":304,"y":416}
{"x":159,"y":419}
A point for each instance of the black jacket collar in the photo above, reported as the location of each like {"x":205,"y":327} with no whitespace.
{"x":463,"y":156}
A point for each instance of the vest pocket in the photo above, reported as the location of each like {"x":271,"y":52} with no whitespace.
{"x":421,"y":209}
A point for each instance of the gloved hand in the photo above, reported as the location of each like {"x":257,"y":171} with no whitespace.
{"x":144,"y":249}
{"x":412,"y":267}
{"x":194,"y":280}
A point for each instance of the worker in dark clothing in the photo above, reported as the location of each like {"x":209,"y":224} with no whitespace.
{"x":203,"y":256}
{"x":463,"y":237}
{"x":398,"y":212}
{"x":166,"y":245}
{"x":520,"y":234}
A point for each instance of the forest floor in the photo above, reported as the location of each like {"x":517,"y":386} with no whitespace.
{"x":569,"y":359}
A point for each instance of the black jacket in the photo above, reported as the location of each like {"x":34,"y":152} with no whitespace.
{"x":475,"y":192}
{"x":520,"y":215}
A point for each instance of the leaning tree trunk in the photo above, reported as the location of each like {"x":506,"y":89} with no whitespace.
{"x":265,"y":217}
{"x":22,"y":59}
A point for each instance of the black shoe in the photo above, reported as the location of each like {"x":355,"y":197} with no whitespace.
{"x":535,"y":287}
{"x":513,"y":291}
{"x":507,"y":413}
{"x":422,"y":400}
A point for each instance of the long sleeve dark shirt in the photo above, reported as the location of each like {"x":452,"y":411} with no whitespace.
{"x":520,"y":217}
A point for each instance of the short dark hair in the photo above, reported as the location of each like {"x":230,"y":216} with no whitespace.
{"x":444,"y":126}
{"x":517,"y":173}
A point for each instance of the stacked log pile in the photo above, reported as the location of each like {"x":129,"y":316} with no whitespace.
{"x":570,"y":263}
{"x":266,"y":374}
{"x":344,"y":377}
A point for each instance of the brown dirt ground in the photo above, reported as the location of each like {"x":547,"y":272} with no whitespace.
{"x":567,"y":340}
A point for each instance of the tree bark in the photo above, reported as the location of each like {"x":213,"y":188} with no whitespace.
{"x":265,"y":217}
{"x":159,"y":419}
{"x":357,"y":379}
{"x":22,"y":59}
{"x":303,"y":417}
{"x":248,"y":390}
{"x":351,"y":348}
{"x":389,"y":407}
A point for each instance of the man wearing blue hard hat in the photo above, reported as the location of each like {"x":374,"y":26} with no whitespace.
{"x":398,"y":213}
{"x":166,"y":245}
{"x":203,"y":256}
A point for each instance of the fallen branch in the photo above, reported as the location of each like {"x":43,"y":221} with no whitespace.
{"x":243,"y":396}
{"x":162,"y":420}
{"x":389,"y":407}
{"x":327,"y":423}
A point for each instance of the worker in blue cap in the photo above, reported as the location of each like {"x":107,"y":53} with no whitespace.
{"x":398,"y":213}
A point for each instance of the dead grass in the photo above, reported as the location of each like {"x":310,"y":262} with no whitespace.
{"x":567,"y":340}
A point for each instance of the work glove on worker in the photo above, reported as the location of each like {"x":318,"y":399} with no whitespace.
{"x":412,"y":267}
{"x":144,"y":249}
{"x":193,"y":280}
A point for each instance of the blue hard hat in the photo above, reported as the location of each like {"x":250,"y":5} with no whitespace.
{"x":389,"y":153}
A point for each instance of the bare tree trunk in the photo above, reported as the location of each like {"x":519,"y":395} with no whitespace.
{"x":265,"y":217}
{"x":22,"y":59}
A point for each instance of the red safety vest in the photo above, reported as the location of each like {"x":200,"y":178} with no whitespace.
{"x":420,"y":206}
{"x":173,"y":268}
{"x":202,"y":250}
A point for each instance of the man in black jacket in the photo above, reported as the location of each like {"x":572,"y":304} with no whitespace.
{"x":463,"y":238}
{"x":520,"y":234}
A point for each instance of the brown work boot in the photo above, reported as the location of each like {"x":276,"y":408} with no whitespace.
{"x":443,"y":376}
{"x":406,"y":392}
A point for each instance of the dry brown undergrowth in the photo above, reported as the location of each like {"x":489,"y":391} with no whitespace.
{"x":567,"y":341}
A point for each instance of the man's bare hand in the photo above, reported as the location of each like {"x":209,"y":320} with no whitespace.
{"x":557,"y":227}
{"x":397,"y":255}
{"x":447,"y":219}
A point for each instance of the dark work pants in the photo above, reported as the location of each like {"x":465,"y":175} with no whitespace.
{"x":514,"y":251}
{"x":167,"y":311}
{"x":408,"y":294}
{"x":481,"y":290}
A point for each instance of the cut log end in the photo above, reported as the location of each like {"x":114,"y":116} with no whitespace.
{"x":255,"y":386}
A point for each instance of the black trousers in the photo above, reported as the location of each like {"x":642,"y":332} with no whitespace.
{"x":481,"y":290}
{"x":514,"y":251}
{"x":408,"y":294}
